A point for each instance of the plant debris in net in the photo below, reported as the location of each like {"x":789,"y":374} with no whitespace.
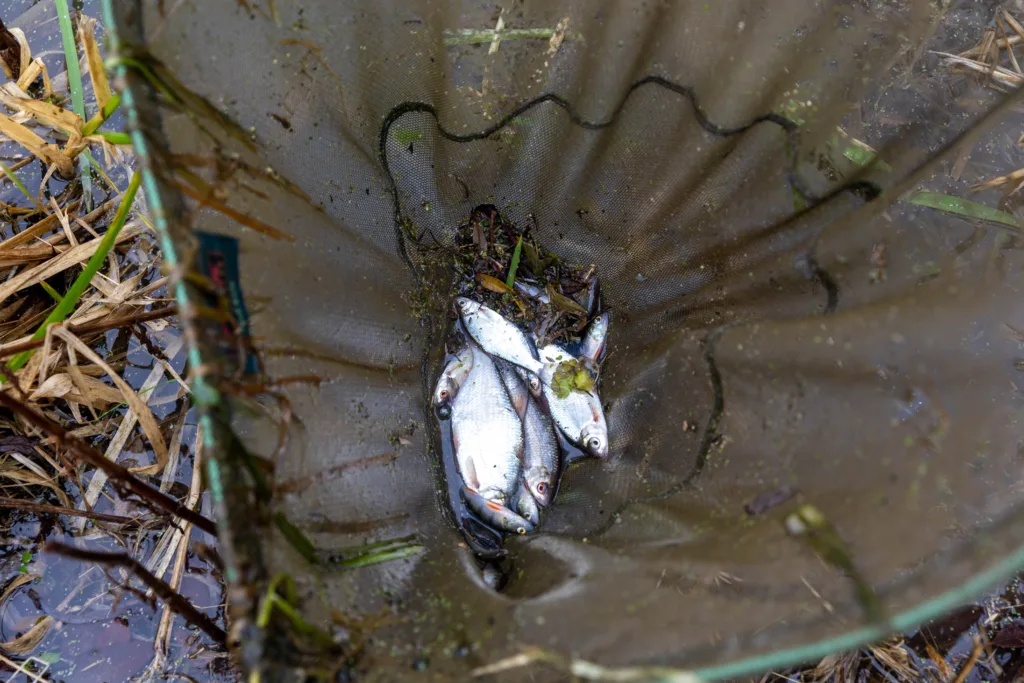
{"x":503,"y":266}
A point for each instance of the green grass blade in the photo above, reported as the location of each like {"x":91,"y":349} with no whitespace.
{"x":70,"y":300}
{"x":54,"y":294}
{"x":96,"y":121}
{"x":295,"y":538}
{"x":67,"y":34}
{"x":964,"y":207}
{"x":18,"y":184}
{"x":116,"y":137}
{"x":386,"y":555}
{"x":515,"y":263}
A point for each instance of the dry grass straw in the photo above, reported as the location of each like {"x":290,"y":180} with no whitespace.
{"x":994,"y":59}
{"x":74,"y":387}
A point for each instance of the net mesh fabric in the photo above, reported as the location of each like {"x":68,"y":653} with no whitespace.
{"x":753,"y":344}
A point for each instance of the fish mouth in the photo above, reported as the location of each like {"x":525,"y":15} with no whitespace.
{"x":594,"y":444}
{"x":496,"y":514}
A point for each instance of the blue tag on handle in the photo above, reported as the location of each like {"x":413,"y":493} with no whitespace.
{"x":217,"y":259}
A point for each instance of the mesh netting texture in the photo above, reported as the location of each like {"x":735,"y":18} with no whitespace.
{"x":784,"y":328}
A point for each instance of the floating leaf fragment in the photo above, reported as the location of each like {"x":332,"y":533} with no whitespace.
{"x":570,"y":376}
{"x":583,"y":380}
{"x":493,"y":284}
{"x":532,"y":258}
{"x":563,"y":303}
{"x":964,"y":207}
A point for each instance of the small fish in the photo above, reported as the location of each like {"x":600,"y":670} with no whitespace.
{"x":527,"y":505}
{"x":496,"y":514}
{"x":592,"y":299}
{"x":451,"y":379}
{"x":593,"y":347}
{"x":532,"y":291}
{"x":517,"y":390}
{"x":541,"y":464}
{"x":497,"y":336}
{"x":492,"y":576}
{"x":487,"y":437}
{"x":579,"y":416}
{"x":540,"y":455}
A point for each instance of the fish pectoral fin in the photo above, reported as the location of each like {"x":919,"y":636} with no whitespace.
{"x":470,"y":474}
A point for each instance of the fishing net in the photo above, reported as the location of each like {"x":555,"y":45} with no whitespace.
{"x":810,"y":381}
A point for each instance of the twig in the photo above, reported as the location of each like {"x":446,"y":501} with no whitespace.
{"x":42,"y":509}
{"x":1009,"y":48}
{"x":91,"y":328}
{"x":975,"y":51}
{"x":161,"y":644}
{"x":969,"y":664}
{"x":581,"y":669}
{"x":172,"y":599}
{"x":117,"y":473}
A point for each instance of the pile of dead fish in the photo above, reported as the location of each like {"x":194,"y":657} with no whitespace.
{"x":515,"y":411}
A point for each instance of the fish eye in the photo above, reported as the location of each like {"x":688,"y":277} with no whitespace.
{"x":520,"y":531}
{"x":444,"y":393}
{"x":594,"y":442}
{"x":542,"y":488}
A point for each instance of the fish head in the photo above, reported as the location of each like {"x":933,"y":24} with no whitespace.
{"x":598,"y":329}
{"x":466,"y":306}
{"x":541,"y":482}
{"x":527,"y":507}
{"x":594,"y":440}
{"x":443,"y":395}
{"x":531,"y":380}
{"x":495,"y":514}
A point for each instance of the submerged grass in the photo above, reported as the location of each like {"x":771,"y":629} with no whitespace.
{"x":964,"y":207}
{"x":67,"y":34}
{"x":18,"y":184}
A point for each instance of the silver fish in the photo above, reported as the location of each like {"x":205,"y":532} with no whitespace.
{"x":532,"y":291}
{"x":496,"y":514}
{"x":593,"y":347}
{"x":579,"y":416}
{"x":497,"y":336}
{"x":540,"y":449}
{"x":592,"y":299}
{"x":451,"y":379}
{"x":527,"y":505}
{"x":492,"y":576}
{"x":515,"y":382}
{"x":517,"y":390}
{"x":541,"y":463}
{"x":487,"y":436}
